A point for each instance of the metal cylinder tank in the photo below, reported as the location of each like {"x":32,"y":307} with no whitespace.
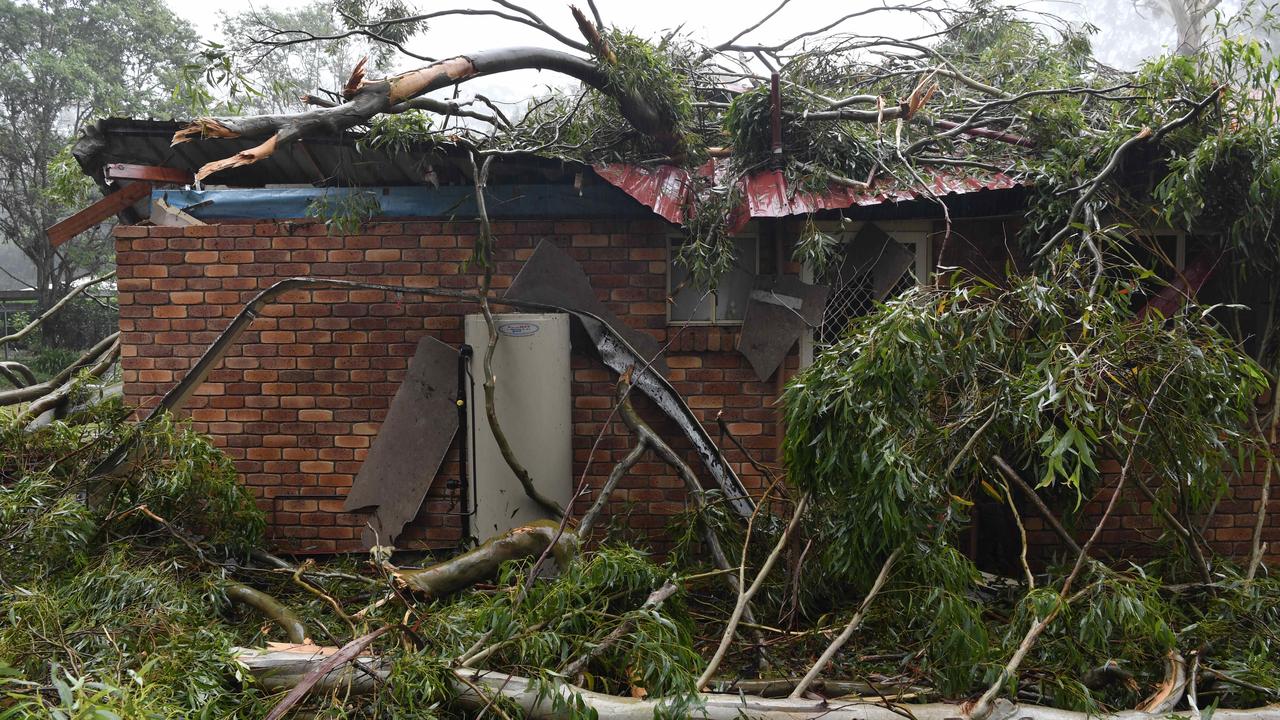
{"x":534,"y":407}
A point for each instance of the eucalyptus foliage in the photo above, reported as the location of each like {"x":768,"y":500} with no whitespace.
{"x":896,"y":425}
{"x":95,"y":601}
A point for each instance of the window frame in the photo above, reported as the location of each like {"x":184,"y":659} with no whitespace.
{"x":675,"y":238}
{"x":903,"y":232}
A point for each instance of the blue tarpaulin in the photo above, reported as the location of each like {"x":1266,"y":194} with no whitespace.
{"x":453,"y":202}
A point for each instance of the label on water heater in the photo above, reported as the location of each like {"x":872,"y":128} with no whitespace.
{"x":518,"y":329}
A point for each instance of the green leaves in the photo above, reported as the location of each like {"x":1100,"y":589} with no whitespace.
{"x":345,"y":210}
{"x":906,"y":411}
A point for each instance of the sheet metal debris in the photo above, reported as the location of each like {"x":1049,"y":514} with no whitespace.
{"x":620,"y":357}
{"x":411,"y":444}
{"x":551,"y":277}
{"x":666,"y":189}
{"x":557,"y":282}
{"x":873,"y":253}
{"x":779,"y":311}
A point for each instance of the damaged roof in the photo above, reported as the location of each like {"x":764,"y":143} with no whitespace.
{"x":768,"y":195}
{"x":341,"y":161}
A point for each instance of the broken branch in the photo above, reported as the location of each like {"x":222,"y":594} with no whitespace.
{"x":369,"y":97}
{"x":292,"y":625}
{"x":25,"y":331}
{"x":655,"y":599}
{"x":744,"y":597}
{"x":477,"y":564}
{"x":856,"y":621}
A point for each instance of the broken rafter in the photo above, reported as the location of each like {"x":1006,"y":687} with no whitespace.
{"x":62,"y":231}
{"x":149,"y":173}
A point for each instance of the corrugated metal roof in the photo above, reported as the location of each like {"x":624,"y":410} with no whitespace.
{"x":767,"y":194}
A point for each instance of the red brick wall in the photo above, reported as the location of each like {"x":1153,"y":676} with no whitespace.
{"x":297,"y":402}
{"x":1135,"y":530}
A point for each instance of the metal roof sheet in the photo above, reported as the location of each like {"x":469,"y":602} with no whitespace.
{"x":767,"y":194}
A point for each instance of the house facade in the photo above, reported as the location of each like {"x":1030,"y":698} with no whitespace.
{"x":299,"y":400}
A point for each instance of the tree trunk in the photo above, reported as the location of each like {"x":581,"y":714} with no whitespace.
{"x":277,"y":668}
{"x":368,"y":97}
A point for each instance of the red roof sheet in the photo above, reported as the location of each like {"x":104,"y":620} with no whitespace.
{"x":665,"y":188}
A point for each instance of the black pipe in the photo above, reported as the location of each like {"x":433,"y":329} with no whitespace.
{"x":464,"y":361}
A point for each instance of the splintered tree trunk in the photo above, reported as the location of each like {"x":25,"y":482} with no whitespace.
{"x":368,"y":97}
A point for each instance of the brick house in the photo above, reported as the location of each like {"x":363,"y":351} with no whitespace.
{"x":298,"y":401}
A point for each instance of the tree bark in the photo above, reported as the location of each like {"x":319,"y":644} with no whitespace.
{"x":369,"y":97}
{"x":274,"y":669}
{"x":469,"y":568}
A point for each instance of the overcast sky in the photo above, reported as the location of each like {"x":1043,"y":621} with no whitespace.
{"x":1127,"y":34}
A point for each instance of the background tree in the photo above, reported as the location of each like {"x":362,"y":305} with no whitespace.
{"x":281,"y":62}
{"x":61,"y":63}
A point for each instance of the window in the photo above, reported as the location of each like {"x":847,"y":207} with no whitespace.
{"x":727,"y":304}
{"x":879,"y":261}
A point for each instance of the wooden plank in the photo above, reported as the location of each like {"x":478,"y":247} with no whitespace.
{"x":150,"y":173}
{"x":106,"y":207}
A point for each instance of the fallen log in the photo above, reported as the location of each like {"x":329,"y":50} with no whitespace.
{"x":781,"y":687}
{"x":480,"y":563}
{"x":279,"y":665}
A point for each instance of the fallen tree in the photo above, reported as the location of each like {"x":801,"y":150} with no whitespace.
{"x":517,"y":621}
{"x":129,"y":562}
{"x":477,"y":689}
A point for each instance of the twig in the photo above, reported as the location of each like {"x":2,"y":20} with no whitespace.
{"x":1022,"y":535}
{"x":1259,"y":523}
{"x":656,"y":598}
{"x":297,"y":579}
{"x":759,"y":466}
{"x":744,"y":597}
{"x":484,"y":251}
{"x":1270,"y":692}
{"x":1016,"y":479}
{"x":843,"y":637}
{"x":620,"y":470}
